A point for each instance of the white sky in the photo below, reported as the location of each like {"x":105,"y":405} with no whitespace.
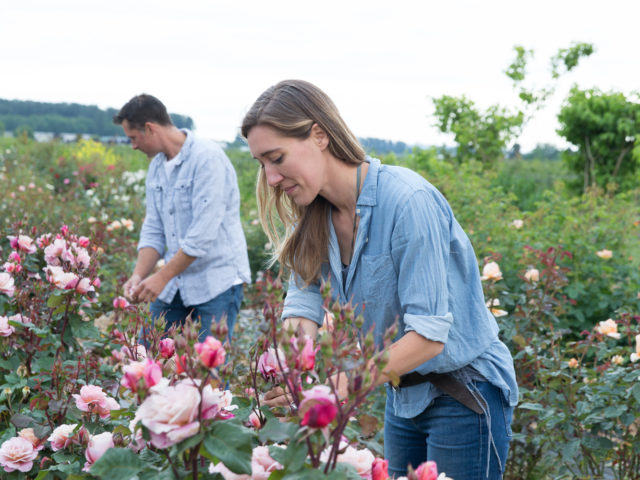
{"x":379,"y":61}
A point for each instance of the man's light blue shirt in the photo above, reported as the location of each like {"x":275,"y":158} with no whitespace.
{"x":196,"y":208}
{"x":413,"y":264}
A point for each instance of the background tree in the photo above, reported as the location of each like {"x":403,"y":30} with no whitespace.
{"x":484,"y":135}
{"x":605,"y":127}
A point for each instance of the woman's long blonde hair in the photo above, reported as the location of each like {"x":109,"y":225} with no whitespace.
{"x":292,"y":107}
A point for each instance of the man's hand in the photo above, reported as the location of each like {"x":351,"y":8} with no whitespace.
{"x":149,"y":289}
{"x":130,"y":286}
{"x":277,"y":397}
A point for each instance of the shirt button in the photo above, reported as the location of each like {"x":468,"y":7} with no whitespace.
{"x":367,"y":240}
{"x":357,"y":210}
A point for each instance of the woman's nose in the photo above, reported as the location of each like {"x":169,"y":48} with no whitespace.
{"x":273,"y":176}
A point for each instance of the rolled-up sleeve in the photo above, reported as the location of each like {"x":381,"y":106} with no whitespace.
{"x":152,"y":231}
{"x":208,"y":203}
{"x":420,"y":251}
{"x":303,"y":301}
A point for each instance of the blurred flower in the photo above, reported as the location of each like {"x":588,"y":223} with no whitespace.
{"x":305,"y":359}
{"x":636,"y":355}
{"x":609,"y":328}
{"x":318,"y":408}
{"x":21,"y":188}
{"x":497,"y":312}
{"x":491,"y":271}
{"x":14,"y":257}
{"x":573,"y":363}
{"x":532,"y":275}
{"x":120,"y":303}
{"x":5,"y":328}
{"x":61,"y":279}
{"x":127,"y":223}
{"x":92,"y":219}
{"x":427,"y":471}
{"x":22,"y":242}
{"x":167,"y":347}
{"x":115,"y":225}
{"x":62,"y":436}
{"x":131,"y":374}
{"x":517,"y":223}
{"x":152,"y":372}
{"x":268,"y":364}
{"x":254,"y":420}
{"x":93,"y":399}
{"x":211,"y":352}
{"x":17,"y":453}
{"x":98,"y":445}
{"x":262,"y":464}
{"x":379,"y":469}
{"x":617,"y":359}
{"x":7,"y":285}
{"x":170,"y":413}
{"x":605,"y":254}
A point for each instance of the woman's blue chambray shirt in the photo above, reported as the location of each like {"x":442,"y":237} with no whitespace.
{"x":196,"y":208}
{"x":414,"y":264}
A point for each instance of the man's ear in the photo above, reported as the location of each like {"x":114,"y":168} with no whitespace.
{"x":150,"y":127}
{"x":319,"y":136}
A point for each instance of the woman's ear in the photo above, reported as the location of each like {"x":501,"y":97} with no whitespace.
{"x":319,"y":136}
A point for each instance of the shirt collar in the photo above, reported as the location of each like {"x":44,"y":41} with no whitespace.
{"x":369,"y":190}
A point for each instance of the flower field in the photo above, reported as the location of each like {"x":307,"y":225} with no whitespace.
{"x":80,"y":397}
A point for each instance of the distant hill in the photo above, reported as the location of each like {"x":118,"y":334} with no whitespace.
{"x":66,"y":118}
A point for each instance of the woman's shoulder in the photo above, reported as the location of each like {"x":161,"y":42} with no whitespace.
{"x":403,"y":185}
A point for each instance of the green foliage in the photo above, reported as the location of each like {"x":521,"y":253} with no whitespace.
{"x":605,"y":128}
{"x":67,"y":117}
{"x":567,"y":58}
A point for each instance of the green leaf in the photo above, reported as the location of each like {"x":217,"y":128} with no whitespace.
{"x":277,"y":431}
{"x":118,"y":463}
{"x":532,"y":406}
{"x":635,"y":391}
{"x":232,"y":444}
{"x":54,"y":300}
{"x":292,"y":457}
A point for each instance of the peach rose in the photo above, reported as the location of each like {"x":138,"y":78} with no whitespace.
{"x":491,"y":271}
{"x":604,"y":254}
{"x":532,"y":275}
{"x":636,"y":356}
{"x":609,"y":328}
{"x":29,"y":434}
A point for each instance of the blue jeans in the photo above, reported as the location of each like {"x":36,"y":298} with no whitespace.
{"x":459,"y":440}
{"x":226,"y":304}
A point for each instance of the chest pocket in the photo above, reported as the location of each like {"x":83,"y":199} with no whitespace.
{"x":155,"y":193}
{"x":183,"y":194}
{"x":379,"y":278}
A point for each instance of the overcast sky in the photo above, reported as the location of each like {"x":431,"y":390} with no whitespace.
{"x":381,"y":62}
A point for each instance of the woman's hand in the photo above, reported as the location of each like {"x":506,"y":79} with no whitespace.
{"x":277,"y":397}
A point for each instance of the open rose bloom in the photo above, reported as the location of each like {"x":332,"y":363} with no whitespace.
{"x":7,"y":284}
{"x":93,"y":399}
{"x":609,"y":328}
{"x":171,"y":412}
{"x":62,"y":437}
{"x":98,"y":445}
{"x":491,"y":271}
{"x":17,"y":453}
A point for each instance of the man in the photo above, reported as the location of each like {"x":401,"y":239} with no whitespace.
{"x":192,"y":221}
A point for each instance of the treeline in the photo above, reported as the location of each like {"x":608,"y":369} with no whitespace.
{"x":65,"y":118}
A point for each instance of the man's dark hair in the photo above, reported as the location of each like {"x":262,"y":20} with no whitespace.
{"x":142,"y":109}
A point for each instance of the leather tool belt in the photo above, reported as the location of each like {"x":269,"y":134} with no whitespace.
{"x":446,"y":383}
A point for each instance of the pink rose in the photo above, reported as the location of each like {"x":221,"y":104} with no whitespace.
{"x":152,"y":372}
{"x":98,"y":445}
{"x":167,"y":348}
{"x":17,"y":453}
{"x":254,"y":420}
{"x":305,"y":359}
{"x":15,"y":257}
{"x":211,"y":352}
{"x":170,"y":413}
{"x":7,"y":285}
{"x":93,"y":399}
{"x":61,"y":279}
{"x":120,"y":303}
{"x":216,"y":403}
{"x":54,"y":251}
{"x":268,"y":364}
{"x":82,"y":257}
{"x":262,"y":464}
{"x":62,"y":437}
{"x":22,"y":242}
{"x":83,"y":242}
{"x":380,"y":469}
{"x":226,"y":473}
{"x":5,"y":328}
{"x":318,"y":407}
{"x":84,"y":286}
{"x":427,"y":471}
{"x":132,"y":373}
{"x":43,"y":240}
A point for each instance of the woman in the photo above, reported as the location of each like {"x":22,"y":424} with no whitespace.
{"x":392,"y":240}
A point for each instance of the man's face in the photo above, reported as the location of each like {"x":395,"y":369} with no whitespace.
{"x":141,"y":139}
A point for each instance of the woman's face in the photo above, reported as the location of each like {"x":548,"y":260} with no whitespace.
{"x":295,"y":166}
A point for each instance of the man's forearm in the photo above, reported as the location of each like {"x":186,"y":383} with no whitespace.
{"x":178,"y":264}
{"x":147,"y":259}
